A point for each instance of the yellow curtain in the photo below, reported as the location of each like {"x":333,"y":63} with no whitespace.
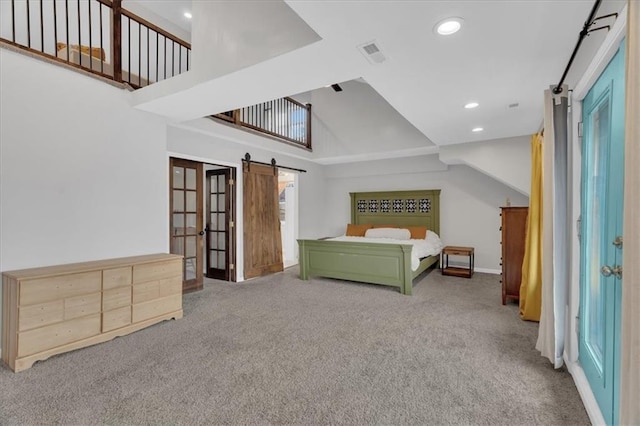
{"x":531,"y":284}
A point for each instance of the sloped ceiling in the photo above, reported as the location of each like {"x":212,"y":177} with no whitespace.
{"x":507,"y":53}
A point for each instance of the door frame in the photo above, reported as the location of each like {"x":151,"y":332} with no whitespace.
{"x":294,"y":219}
{"x":600,"y":61}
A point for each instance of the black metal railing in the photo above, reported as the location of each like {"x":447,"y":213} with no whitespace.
{"x":160,"y":55}
{"x":98,"y":36}
{"x":284,"y":118}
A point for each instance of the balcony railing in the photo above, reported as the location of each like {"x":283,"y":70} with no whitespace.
{"x":98,"y":36}
{"x":283,"y":118}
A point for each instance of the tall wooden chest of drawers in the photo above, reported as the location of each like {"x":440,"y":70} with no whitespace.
{"x":55,"y":309}
{"x":514,"y":231}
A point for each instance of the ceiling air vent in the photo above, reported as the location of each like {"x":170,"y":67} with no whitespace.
{"x":372,"y":52}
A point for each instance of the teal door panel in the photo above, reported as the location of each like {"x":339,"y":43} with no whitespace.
{"x":601,"y":252}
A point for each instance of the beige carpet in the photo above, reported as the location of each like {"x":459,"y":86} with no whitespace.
{"x":278,"y":350}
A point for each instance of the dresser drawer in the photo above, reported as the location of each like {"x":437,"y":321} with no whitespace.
{"x":119,"y":277}
{"x":155,"y":308}
{"x":80,"y":306}
{"x":157,"y":271}
{"x":52,"y":336}
{"x":116,"y":298}
{"x":42,"y":314}
{"x":54,"y":288}
{"x":116,"y":319}
{"x":35,"y":316}
{"x":156,"y":289}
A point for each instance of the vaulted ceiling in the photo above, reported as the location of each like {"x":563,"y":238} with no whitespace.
{"x":505,"y":55}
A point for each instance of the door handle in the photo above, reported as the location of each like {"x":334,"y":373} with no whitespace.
{"x":607,"y":271}
{"x":201,"y":233}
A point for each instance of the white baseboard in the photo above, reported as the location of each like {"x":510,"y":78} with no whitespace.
{"x":488,"y":271}
{"x":586,"y":394}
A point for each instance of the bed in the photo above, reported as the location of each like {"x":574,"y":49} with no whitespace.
{"x":374,"y":263}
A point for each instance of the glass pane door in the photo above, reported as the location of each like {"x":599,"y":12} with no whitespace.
{"x":219,"y":218}
{"x":596,"y":219}
{"x":186,"y":219}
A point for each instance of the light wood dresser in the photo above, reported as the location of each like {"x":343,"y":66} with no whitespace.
{"x":51,"y":310}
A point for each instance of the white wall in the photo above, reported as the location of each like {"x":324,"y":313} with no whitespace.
{"x":469,"y":202}
{"x":507,"y":160}
{"x":83,"y":175}
{"x":244,"y":33}
{"x":360,"y":117}
{"x":151,"y":9}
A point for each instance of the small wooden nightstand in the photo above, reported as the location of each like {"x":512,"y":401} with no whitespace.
{"x":456,"y":251}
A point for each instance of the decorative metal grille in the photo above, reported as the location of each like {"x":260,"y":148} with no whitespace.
{"x":398,"y":206}
{"x":411,"y":205}
{"x":385,"y":206}
{"x":373,"y":206}
{"x":425,"y":205}
{"x":362,"y":206}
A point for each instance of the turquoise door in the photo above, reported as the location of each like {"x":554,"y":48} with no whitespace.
{"x":601,"y":242}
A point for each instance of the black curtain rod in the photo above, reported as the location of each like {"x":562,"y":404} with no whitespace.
{"x":247,"y":159}
{"x":583,"y":34}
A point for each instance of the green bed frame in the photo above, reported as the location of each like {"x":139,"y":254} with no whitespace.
{"x":385,"y":264}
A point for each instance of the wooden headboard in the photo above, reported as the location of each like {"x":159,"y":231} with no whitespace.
{"x":408,"y":208}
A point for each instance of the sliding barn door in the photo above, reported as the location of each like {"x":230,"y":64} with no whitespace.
{"x":186,"y":221}
{"x":262,"y":241}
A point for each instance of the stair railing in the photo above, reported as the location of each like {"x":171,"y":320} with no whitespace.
{"x":97,"y":36}
{"x":283,"y":118}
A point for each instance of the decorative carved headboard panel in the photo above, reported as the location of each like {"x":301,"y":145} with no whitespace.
{"x":408,"y":208}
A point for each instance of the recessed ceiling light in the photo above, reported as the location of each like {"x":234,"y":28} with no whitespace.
{"x":471,"y":105}
{"x":188,"y":15}
{"x":477,"y":129}
{"x":449,"y":26}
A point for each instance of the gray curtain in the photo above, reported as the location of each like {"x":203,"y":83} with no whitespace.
{"x":556,"y":220}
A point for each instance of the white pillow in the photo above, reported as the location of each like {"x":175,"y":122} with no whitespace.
{"x":433,"y":239}
{"x":394,"y":233}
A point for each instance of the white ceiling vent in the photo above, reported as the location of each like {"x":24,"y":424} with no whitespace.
{"x":371,"y":51}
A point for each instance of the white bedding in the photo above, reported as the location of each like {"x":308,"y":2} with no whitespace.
{"x":429,"y":246}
